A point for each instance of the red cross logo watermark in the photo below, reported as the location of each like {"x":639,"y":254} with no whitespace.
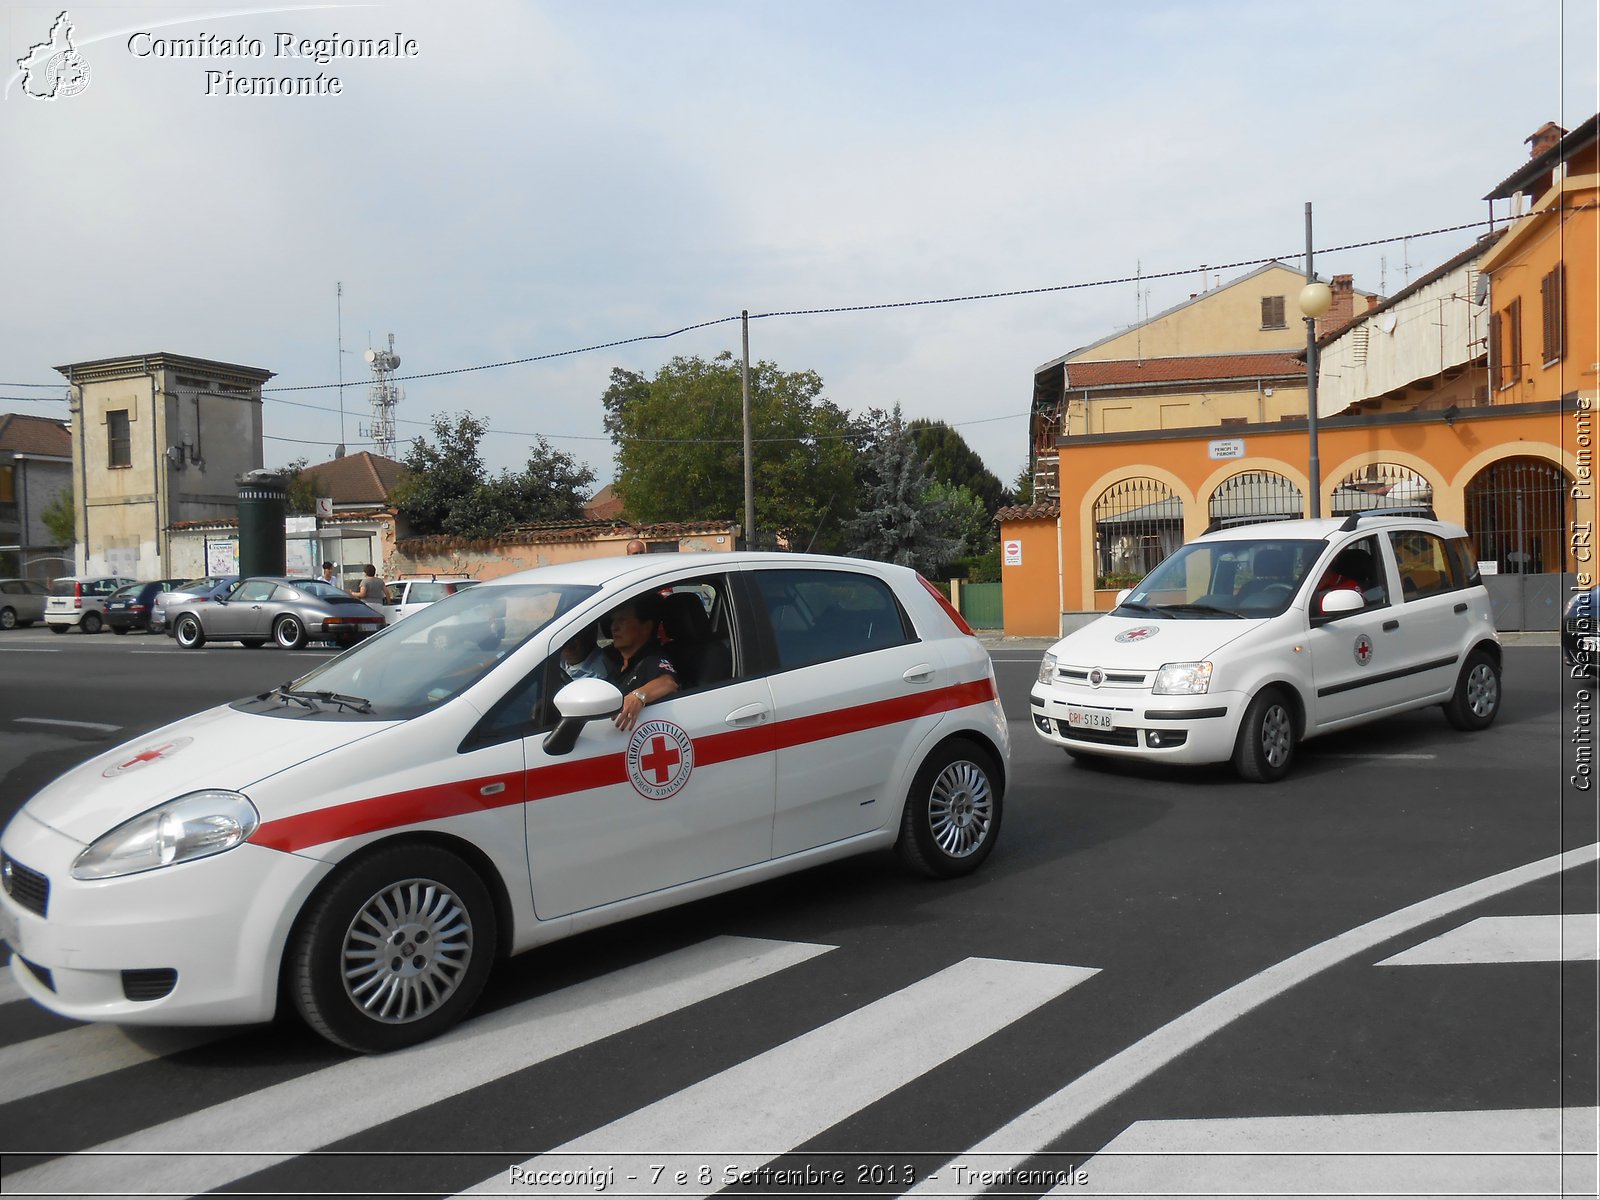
{"x":145,"y":757}
{"x":1363,"y":649}
{"x":660,"y":757}
{"x":1137,"y":634}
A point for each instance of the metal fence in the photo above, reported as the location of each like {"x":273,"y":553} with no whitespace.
{"x":1381,"y":485}
{"x":1516,"y":512}
{"x":1256,"y":496}
{"x":1137,"y":523}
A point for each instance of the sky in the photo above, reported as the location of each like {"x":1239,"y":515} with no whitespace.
{"x":542,"y":178}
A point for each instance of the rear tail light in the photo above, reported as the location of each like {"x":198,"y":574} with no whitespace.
{"x":77,"y":594}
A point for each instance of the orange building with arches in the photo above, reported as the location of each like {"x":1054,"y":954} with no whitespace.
{"x":1471,"y":392}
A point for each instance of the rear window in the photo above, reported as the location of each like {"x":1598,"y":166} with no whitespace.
{"x":64,"y":587}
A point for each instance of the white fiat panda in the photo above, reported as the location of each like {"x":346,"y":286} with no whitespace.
{"x":1250,"y":639}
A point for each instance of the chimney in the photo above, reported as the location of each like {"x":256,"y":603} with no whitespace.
{"x":1543,"y":138}
{"x":1342,"y":310}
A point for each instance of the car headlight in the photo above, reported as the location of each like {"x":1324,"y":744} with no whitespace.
{"x":1183,"y":679}
{"x":194,"y":826}
{"x":1047,"y":669}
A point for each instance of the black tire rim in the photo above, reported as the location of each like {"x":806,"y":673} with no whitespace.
{"x":188,"y":631}
{"x":289,"y":632}
{"x":406,"y":952}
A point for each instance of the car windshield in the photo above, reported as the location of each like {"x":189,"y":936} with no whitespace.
{"x":419,"y":663}
{"x":1225,"y":580}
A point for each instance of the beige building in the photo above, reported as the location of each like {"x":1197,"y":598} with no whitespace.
{"x":157,"y":439}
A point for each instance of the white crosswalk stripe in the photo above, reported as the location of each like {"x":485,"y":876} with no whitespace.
{"x":1547,"y":938}
{"x":312,"y":1111}
{"x":1518,"y":1152}
{"x":817,"y":1080}
{"x":40,"y":1064}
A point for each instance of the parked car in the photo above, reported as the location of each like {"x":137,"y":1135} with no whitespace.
{"x":129,"y":607}
{"x":202,"y":590}
{"x":21,"y":602}
{"x":78,"y":600}
{"x":262,"y":608}
{"x":1580,"y":636}
{"x":401,"y":597}
{"x":365,"y":841}
{"x":1249,"y":640}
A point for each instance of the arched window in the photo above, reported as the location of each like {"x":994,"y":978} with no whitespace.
{"x":1137,"y":523}
{"x":1252,"y":496}
{"x":1517,"y":515}
{"x":1381,"y":485}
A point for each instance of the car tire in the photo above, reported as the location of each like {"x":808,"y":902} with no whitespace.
{"x":1476,"y":701}
{"x":91,"y":623}
{"x":189,"y":633}
{"x":1264,"y":751}
{"x":433,"y":914}
{"x":121,"y":629}
{"x":8,"y":618}
{"x":952,"y":813}
{"x":289,"y":633}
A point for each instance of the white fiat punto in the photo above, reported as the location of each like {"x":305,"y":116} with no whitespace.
{"x":1248,"y":640}
{"x":367,"y":840}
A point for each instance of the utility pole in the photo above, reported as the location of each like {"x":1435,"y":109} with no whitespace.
{"x":749,"y":466}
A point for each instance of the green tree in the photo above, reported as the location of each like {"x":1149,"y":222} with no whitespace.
{"x":448,"y":491}
{"x":967,"y":519}
{"x":902,"y":518}
{"x":1022,"y":488}
{"x":680,"y":448}
{"x":302,"y":489}
{"x":951,"y":461}
{"x":60,"y":517}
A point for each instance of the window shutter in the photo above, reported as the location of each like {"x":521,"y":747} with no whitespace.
{"x":1496,"y":355}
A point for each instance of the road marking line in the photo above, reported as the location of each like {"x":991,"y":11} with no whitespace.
{"x":95,"y":725}
{"x":306,"y":1113}
{"x":823,"y":1076}
{"x":1552,"y":938}
{"x":29,"y":650}
{"x":1525,"y":1152}
{"x":1379,"y":757}
{"x":1030,"y":1133}
{"x":74,"y":1055}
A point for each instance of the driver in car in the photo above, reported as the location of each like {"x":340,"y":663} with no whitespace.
{"x":642,"y":671}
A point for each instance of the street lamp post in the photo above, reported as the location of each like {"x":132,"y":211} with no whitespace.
{"x":1315,"y":299}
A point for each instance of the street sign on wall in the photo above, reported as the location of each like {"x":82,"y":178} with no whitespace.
{"x":1013,"y":549}
{"x":1225,"y":448}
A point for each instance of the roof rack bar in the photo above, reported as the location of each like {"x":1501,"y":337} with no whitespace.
{"x":1398,"y":510}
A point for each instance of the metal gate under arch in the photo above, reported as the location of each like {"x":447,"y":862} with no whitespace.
{"x":1516,"y":513}
{"x":1137,"y":523}
{"x":1252,"y":496}
{"x":1381,"y":485}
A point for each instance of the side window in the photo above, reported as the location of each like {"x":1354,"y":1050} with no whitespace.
{"x":394,"y":593}
{"x":11,"y":588}
{"x":527,"y":709}
{"x":425,"y":593}
{"x":1426,"y":566}
{"x":1466,"y":561}
{"x":1357,"y":567}
{"x":255,"y":590}
{"x":820,"y":616}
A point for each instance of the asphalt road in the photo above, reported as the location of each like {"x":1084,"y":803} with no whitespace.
{"x":1163,"y":981}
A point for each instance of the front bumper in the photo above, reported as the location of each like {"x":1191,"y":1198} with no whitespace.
{"x":215,"y":928}
{"x":1178,"y":729}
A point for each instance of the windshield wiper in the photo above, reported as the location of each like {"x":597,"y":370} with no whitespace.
{"x":360,"y":703}
{"x":1135,"y":605}
{"x":1198,"y":608}
{"x":284,"y":692}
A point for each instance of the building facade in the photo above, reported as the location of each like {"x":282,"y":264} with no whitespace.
{"x":35,"y":473}
{"x":157,"y":440}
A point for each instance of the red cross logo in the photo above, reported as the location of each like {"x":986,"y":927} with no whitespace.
{"x":146,"y":756}
{"x":660,"y":757}
{"x":1363,"y":650}
{"x":660,"y":761}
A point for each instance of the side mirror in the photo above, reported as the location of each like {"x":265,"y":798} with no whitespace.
{"x":581,"y":701}
{"x":1124,"y":594}
{"x":1342,"y":601}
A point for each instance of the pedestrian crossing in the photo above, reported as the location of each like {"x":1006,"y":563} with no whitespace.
{"x":741,"y":1119}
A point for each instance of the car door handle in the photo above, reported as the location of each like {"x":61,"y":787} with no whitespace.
{"x":1390,"y":625}
{"x":1461,"y":608}
{"x":750,"y":714}
{"x":921,"y":673}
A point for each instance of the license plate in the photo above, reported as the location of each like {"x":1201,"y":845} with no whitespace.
{"x":1079,"y":718}
{"x":8,"y":931}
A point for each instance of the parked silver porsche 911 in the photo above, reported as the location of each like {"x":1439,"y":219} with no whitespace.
{"x":290,"y":612}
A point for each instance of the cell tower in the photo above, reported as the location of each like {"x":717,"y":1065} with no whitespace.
{"x":383,"y":394}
